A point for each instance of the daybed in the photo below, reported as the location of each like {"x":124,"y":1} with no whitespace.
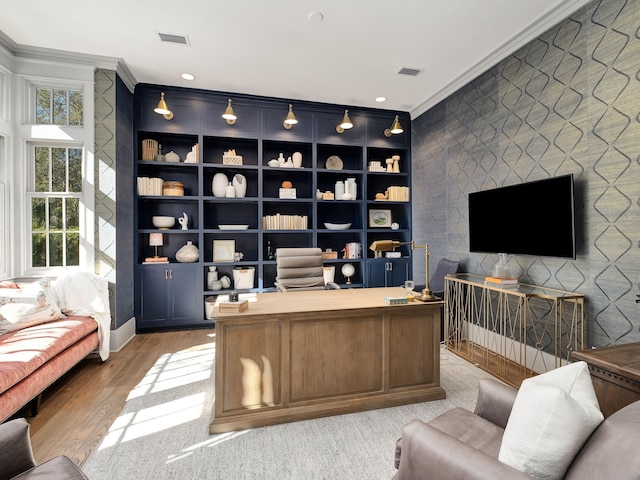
{"x":46,"y":328}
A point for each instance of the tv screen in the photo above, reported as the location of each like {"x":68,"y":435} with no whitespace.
{"x":532,"y":218}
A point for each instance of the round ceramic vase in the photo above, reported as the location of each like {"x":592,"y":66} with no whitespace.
{"x":188,"y":253}
{"x":219,"y":185}
{"x":240,"y":185}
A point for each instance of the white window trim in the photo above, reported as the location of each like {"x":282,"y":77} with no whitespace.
{"x":29,"y":134}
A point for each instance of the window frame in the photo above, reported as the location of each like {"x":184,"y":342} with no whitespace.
{"x":68,"y":136}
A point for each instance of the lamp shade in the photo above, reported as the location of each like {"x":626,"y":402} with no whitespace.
{"x":162,"y":107}
{"x":229,"y":115}
{"x":346,"y":121}
{"x":291,"y":118}
{"x":155,"y":240}
{"x":396,"y":128}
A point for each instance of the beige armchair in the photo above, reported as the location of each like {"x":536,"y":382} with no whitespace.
{"x":17,"y":462}
{"x":461,"y":445}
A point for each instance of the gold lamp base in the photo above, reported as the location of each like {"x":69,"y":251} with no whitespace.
{"x":427,"y":296}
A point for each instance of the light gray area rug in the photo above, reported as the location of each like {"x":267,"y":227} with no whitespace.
{"x":162,"y":433}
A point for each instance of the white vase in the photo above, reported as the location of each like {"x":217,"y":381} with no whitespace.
{"x":219,"y":185}
{"x":230,"y":191}
{"x":351,"y":188}
{"x":240,"y":185}
{"x":339,"y":190}
{"x":188,"y":253}
{"x":297,"y":159}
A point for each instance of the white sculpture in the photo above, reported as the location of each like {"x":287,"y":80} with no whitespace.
{"x":184,"y":221}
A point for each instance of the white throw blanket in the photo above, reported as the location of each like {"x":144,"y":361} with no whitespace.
{"x":86,"y":294}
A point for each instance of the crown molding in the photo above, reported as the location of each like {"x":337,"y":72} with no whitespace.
{"x":61,"y":56}
{"x":544,"y":23}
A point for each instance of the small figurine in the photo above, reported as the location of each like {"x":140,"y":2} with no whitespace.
{"x":184,"y":221}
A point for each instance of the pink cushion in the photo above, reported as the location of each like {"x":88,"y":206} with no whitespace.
{"x":24,"y":351}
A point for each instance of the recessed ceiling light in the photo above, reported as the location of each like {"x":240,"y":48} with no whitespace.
{"x":188,"y":76}
{"x":380,"y":99}
{"x":316,"y":17}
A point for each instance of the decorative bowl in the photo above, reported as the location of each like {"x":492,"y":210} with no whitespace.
{"x":162,"y":222}
{"x":233,"y":227}
{"x":337,"y":226}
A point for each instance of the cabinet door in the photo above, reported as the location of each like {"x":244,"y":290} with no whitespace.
{"x":154,"y":293}
{"x":388,"y":272}
{"x":186,"y":296}
{"x":170,"y":297}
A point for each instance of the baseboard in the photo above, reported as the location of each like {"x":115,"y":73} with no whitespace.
{"x":122,"y":335}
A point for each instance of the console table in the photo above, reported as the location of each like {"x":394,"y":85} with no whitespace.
{"x":298,"y":355}
{"x":511,"y":332}
{"x":615,"y":372}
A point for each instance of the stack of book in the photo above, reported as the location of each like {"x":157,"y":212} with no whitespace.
{"x":149,"y":260}
{"x":501,"y":282}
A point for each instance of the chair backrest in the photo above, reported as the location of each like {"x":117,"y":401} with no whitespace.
{"x":299,"y":268}
{"x":445,"y":267}
{"x":612,"y":450}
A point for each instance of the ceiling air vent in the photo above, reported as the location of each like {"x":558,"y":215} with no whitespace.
{"x":174,"y":38}
{"x":412,"y":72}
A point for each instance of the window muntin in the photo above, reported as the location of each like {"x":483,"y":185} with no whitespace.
{"x":55,"y":106}
{"x":55,"y":206}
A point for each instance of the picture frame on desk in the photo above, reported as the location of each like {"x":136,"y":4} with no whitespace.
{"x":223,"y":250}
{"x":379,"y":218}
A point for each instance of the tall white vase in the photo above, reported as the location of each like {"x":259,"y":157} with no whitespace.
{"x":240,"y":185}
{"x":297,"y":159}
{"x":219,"y":185}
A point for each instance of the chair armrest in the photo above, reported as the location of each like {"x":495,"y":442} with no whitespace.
{"x":428,"y":453}
{"x":495,"y":401}
{"x":16,"y":455}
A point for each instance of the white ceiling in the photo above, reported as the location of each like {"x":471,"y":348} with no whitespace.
{"x":272,"y":48}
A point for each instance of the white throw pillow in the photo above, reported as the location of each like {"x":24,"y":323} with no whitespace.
{"x":31,"y":304}
{"x":553,"y":415}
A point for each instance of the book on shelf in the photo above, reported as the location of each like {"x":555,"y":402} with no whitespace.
{"x":149,"y":260}
{"x":501,"y":281}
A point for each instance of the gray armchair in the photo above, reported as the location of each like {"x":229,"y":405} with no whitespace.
{"x":461,"y":445}
{"x":300,"y":269}
{"x":17,"y":462}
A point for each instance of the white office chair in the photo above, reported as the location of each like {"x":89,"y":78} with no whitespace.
{"x":300,"y":269}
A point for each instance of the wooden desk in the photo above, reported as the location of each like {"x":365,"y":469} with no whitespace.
{"x":299,"y":355}
{"x":615,"y":372}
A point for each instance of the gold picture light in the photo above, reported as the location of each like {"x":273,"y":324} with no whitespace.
{"x":379,"y":246}
{"x":395,"y":129}
{"x":229,"y":115}
{"x":345,"y":124}
{"x":163,"y":109}
{"x":291,"y":119}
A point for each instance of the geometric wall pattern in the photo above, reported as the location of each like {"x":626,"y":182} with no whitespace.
{"x":567,"y":102}
{"x":105,"y":176}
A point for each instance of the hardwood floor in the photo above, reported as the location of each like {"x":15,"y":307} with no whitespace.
{"x":76,"y":413}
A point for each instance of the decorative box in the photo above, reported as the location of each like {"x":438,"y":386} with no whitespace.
{"x":234,"y":307}
{"x":231,"y":160}
{"x":396,"y":300}
{"x":329,"y":255}
{"x":288,"y":193}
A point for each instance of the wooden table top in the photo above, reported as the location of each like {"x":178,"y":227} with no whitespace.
{"x":319,"y":301}
{"x":619,"y":359}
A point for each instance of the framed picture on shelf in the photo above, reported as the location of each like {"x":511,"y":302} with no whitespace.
{"x":223,"y":250}
{"x":379,"y":218}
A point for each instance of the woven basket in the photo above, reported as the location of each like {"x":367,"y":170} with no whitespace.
{"x":149,"y":149}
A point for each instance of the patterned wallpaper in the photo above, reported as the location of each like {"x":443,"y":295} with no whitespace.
{"x":568,"y":102}
{"x":105,"y":177}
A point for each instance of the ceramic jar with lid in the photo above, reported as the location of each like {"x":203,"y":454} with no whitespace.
{"x":173,"y":189}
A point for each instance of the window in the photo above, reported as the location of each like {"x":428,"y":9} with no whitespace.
{"x":55,"y":196}
{"x":58,"y":106}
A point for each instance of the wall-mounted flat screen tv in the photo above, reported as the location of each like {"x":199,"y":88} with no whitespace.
{"x":531,"y":218}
